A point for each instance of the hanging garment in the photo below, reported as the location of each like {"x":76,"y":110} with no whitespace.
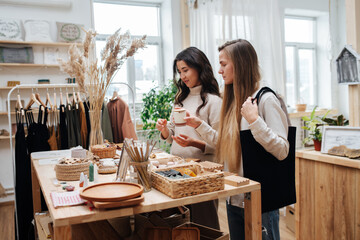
{"x":76,"y":122}
{"x":277,"y":178}
{"x":86,"y":106}
{"x":70,"y":126}
{"x":63,"y":128}
{"x":83,"y":125}
{"x":38,"y":134}
{"x":121,"y":124}
{"x":58,"y":136}
{"x":23,"y":188}
{"x":52,"y":139}
{"x":106,"y":124}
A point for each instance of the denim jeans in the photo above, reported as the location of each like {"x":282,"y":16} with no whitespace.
{"x":269,"y":220}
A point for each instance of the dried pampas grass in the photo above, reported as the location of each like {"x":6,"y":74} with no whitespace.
{"x":93,"y":77}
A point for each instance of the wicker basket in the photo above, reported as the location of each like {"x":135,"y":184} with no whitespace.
{"x":178,"y":188}
{"x":71,"y":172}
{"x":103,"y":151}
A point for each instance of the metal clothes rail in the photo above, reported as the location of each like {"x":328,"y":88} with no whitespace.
{"x":44,"y":86}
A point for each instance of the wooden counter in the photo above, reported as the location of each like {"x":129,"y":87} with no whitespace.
{"x":328,"y":196}
{"x":44,"y":175}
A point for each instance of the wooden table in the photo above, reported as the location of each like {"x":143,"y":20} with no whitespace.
{"x":44,"y":175}
{"x":328,"y":196}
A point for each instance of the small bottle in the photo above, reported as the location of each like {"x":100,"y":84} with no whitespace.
{"x":91,"y":172}
{"x":82,"y":179}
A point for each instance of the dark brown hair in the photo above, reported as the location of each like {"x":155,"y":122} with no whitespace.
{"x":197,"y":60}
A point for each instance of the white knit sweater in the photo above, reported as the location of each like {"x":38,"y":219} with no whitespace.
{"x":210,"y":114}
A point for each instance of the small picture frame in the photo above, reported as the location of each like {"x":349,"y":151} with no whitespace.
{"x":69,"y":32}
{"x":334,"y":136}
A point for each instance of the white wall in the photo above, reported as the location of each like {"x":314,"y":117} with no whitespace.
{"x":340,"y":93}
{"x":79,"y":12}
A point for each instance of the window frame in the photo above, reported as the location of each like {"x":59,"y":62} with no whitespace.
{"x":150,"y":40}
{"x":300,"y":46}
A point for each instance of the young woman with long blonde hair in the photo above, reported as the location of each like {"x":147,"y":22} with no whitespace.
{"x":267,"y":122}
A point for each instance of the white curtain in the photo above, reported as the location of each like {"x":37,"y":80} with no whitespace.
{"x":214,"y":22}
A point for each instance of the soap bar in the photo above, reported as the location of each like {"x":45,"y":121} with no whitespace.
{"x":69,"y":188}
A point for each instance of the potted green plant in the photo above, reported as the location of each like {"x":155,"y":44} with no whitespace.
{"x":158,"y":103}
{"x":312,"y":125}
{"x":339,"y":120}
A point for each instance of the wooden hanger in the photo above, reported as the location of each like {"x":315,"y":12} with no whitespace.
{"x":114,"y":96}
{"x":79,"y":97}
{"x":48,"y":100}
{"x":37,"y":95}
{"x":61,"y":99}
{"x":68,"y":101}
{"x":20,"y":105}
{"x":55,"y":103}
{"x":75,"y":100}
{"x":32,"y":101}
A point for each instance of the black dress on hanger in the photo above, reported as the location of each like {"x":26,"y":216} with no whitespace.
{"x":38,"y":134}
{"x":70,"y":126}
{"x":63,"y":128}
{"x":76,"y":122}
{"x":23,"y":188}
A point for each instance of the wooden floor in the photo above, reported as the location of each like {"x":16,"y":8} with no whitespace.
{"x":7,"y":226}
{"x":7,"y":222}
{"x":285,"y":233}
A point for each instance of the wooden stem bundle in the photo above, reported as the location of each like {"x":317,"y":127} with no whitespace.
{"x":139,"y":154}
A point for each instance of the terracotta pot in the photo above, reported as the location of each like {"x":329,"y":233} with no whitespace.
{"x":317,"y":145}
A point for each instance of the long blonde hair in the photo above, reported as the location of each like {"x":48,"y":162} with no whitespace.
{"x":246,"y":82}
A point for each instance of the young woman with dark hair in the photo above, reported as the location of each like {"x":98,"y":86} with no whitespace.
{"x":198,"y":93}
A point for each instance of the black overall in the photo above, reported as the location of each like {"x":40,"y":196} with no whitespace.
{"x":23,"y":188}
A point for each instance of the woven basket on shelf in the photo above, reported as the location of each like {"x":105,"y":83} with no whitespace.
{"x":178,"y":188}
{"x":71,"y":172}
{"x":103,"y":151}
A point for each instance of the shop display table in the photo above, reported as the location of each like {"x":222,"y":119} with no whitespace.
{"x":43,"y":176}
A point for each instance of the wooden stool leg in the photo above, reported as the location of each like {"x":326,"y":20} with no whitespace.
{"x":253,"y":215}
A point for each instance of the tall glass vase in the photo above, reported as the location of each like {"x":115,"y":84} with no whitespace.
{"x":96,"y":134}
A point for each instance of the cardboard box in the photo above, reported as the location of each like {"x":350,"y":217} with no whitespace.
{"x":290,"y":218}
{"x":207,"y":233}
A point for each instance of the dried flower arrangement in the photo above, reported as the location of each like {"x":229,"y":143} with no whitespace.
{"x":94,"y":78}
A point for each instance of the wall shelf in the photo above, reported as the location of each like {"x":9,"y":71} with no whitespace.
{"x":58,"y":44}
{"x":6,"y":137}
{"x":40,"y":86}
{"x":29,"y":65}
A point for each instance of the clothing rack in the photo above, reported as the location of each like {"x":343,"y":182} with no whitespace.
{"x":47,"y":86}
{"x":133,"y":100}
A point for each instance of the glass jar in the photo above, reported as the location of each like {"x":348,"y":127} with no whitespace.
{"x":140,"y":172}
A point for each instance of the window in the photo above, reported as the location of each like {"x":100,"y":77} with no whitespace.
{"x":143,"y":71}
{"x":300,"y":53}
